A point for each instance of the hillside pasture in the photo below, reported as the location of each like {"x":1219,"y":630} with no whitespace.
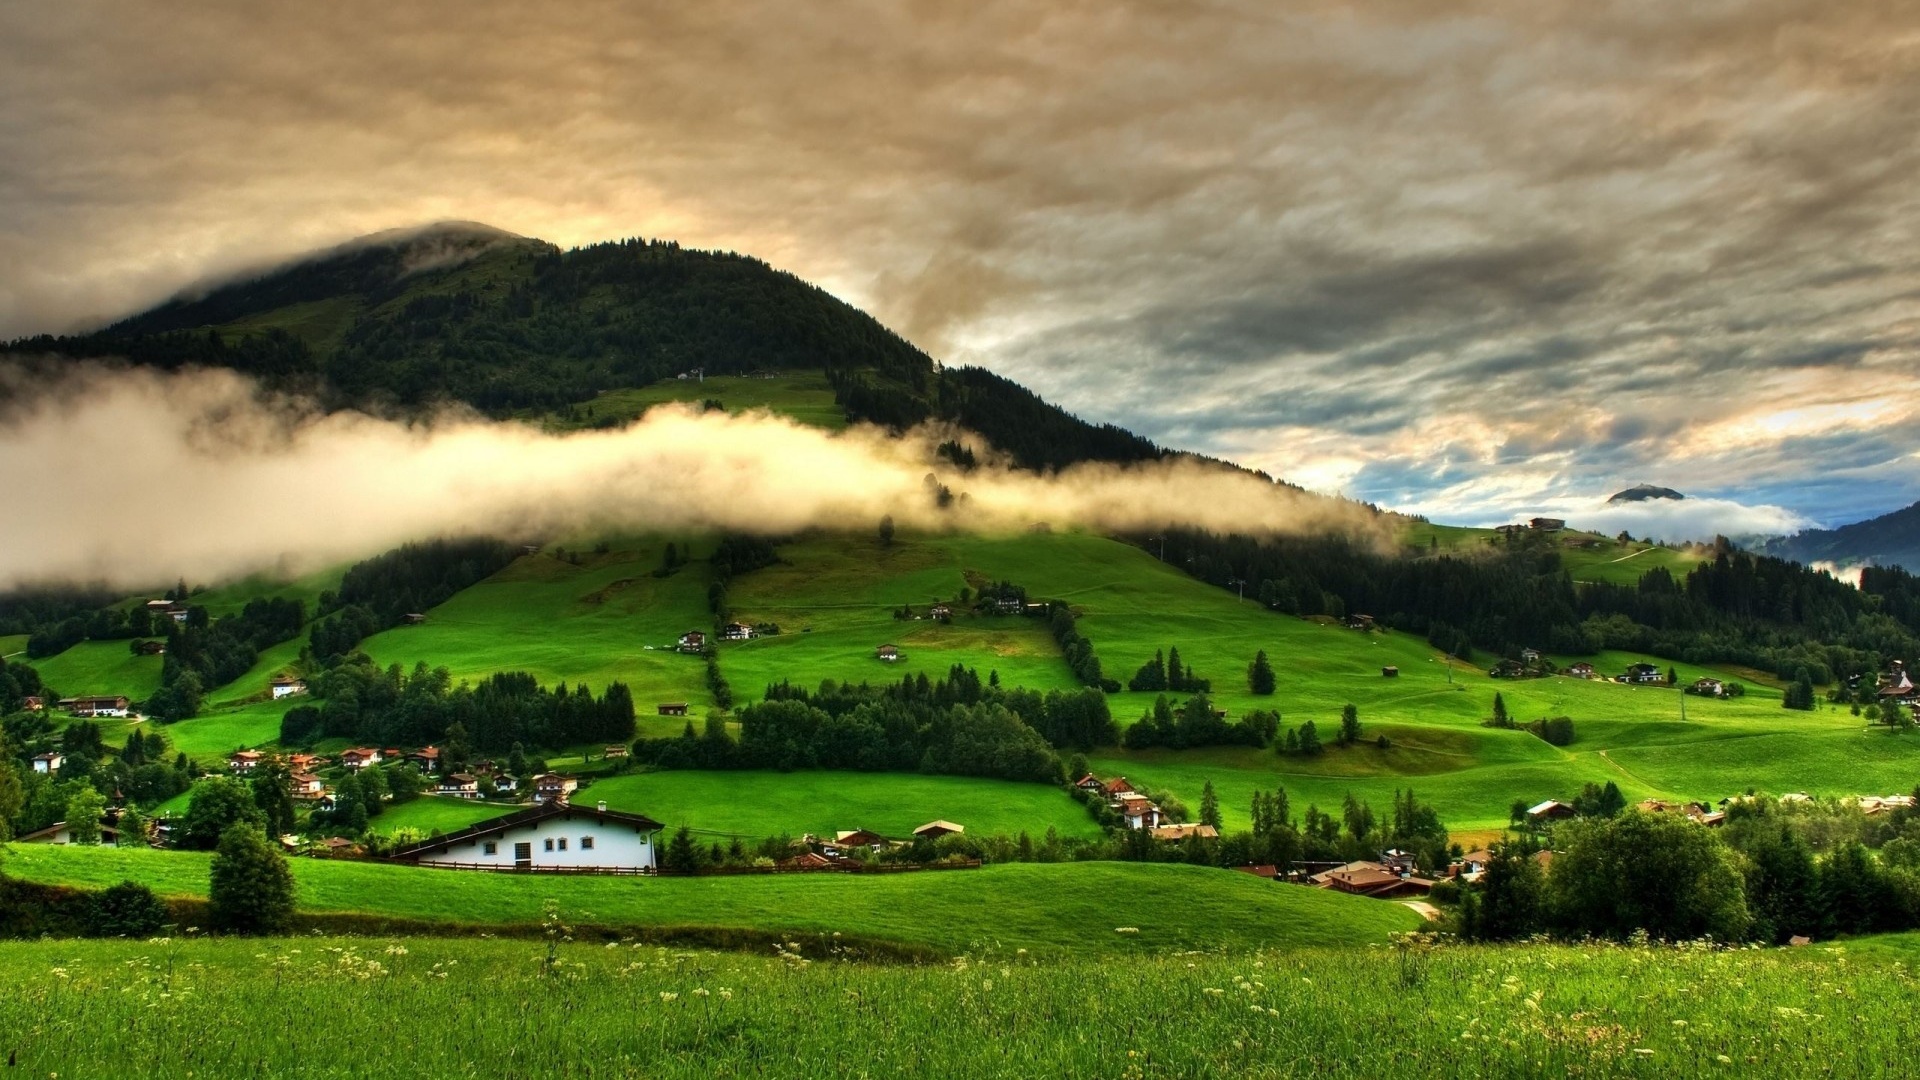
{"x":1045,"y":908}
{"x":755,"y":805}
{"x":100,"y":667}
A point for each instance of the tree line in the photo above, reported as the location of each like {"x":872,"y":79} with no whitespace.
{"x":360,"y":701}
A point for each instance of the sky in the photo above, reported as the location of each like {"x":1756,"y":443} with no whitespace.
{"x":1473,"y":260}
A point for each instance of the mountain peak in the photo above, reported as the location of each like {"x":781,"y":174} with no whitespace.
{"x":1644,"y":493}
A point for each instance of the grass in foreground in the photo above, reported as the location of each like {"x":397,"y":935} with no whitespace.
{"x":220,"y":1008}
{"x":1044,"y":908}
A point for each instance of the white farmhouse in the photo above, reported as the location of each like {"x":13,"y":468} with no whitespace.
{"x":553,"y":836}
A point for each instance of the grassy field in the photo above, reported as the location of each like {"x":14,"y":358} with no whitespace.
{"x":11,"y":644}
{"x":760,"y":804}
{"x":1588,"y":557}
{"x":1066,"y":907}
{"x":100,"y":667}
{"x":435,"y":813}
{"x":805,"y":397}
{"x":182,"y":1008}
{"x":608,"y":619}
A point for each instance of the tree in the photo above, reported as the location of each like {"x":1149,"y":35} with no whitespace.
{"x":1508,"y":902}
{"x":1655,"y":872}
{"x":1500,"y":712}
{"x":84,"y":809}
{"x":1260,"y":675}
{"x":272,"y":793}
{"x":217,"y":804}
{"x":683,"y":855}
{"x":249,"y":887}
{"x":886,"y":531}
{"x":1349,"y":725}
{"x":1800,"y":694}
{"x":455,"y":751}
{"x":1209,"y":806}
{"x":1309,"y":739}
{"x":517,"y":761}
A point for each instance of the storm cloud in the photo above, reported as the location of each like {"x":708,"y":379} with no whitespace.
{"x":1460,"y":258}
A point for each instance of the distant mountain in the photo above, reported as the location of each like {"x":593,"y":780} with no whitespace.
{"x":1643,"y":493}
{"x":1889,"y":540}
{"x":465,"y":312}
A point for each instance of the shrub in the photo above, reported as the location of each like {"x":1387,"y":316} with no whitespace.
{"x":250,"y":888}
{"x":128,"y":909}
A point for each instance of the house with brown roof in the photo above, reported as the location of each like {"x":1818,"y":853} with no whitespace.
{"x":243,"y":762}
{"x":672,"y":708}
{"x":108,"y":705}
{"x":1117,"y":786}
{"x":1175,"y":833}
{"x":1372,"y":879}
{"x":856,"y":838}
{"x":554,"y":836}
{"x":1089,"y":782}
{"x":1137,"y":811}
{"x":1550,"y":810}
{"x":889,"y":653}
{"x":34,"y":703}
{"x":49,"y":763}
{"x":1579,"y":669}
{"x":552,"y":787}
{"x":287,"y":686}
{"x":459,"y":785}
{"x":426,"y":759}
{"x":302,"y":785}
{"x":692,"y":641}
{"x":736,"y":631}
{"x":1712,"y":688}
{"x":360,"y":757}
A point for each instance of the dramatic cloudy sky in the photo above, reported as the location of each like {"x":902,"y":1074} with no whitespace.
{"x":1471,"y":259}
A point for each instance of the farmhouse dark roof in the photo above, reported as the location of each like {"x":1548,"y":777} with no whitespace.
{"x":531,"y":816}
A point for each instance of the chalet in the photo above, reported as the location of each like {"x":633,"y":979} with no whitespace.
{"x":940,"y":613}
{"x":1471,"y":865}
{"x":807,"y":860}
{"x":613,"y":750}
{"x":934,"y":830}
{"x":1137,"y":812}
{"x":1371,"y":879}
{"x":150,"y":648}
{"x":34,"y":703}
{"x":302,"y":785}
{"x":1400,"y":862}
{"x":59,"y":833}
{"x":859,"y":838}
{"x":360,"y":757}
{"x":1009,"y":605}
{"x":672,"y":708}
{"x":1117,"y":787}
{"x":505,"y":784}
{"x":1359,"y":622}
{"x":459,"y":785}
{"x":285,"y":686}
{"x":243,"y":762}
{"x":1549,"y":810}
{"x":1546,"y":524}
{"x":1089,"y":782}
{"x":1507,"y":669}
{"x":1174,"y":833}
{"x":426,"y":759}
{"x":97,"y":706}
{"x":552,"y":787}
{"x":172,"y":609}
{"x":1713,"y":688}
{"x":1529,"y":656}
{"x":889,"y":653}
{"x":48,"y":763}
{"x":1389,"y":672}
{"x":736,"y":631}
{"x":692,"y":641}
{"x":302,"y":762}
{"x":553,"y":836}
{"x":1896,"y":685}
{"x":1580,"y":670}
{"x":1641,"y":673}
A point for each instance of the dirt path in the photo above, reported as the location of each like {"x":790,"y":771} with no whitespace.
{"x":1621,"y":769}
{"x":1624,"y":558}
{"x":1427,"y":911}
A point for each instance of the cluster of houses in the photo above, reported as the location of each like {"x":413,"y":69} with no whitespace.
{"x":172,"y":609}
{"x":1136,"y":811}
{"x":305,"y":783}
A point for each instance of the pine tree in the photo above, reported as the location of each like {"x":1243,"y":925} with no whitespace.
{"x":683,"y":855}
{"x":1309,"y":739}
{"x":1260,"y":675}
{"x":1209,"y":806}
{"x":1349,"y":725}
{"x":1176,"y":677}
{"x":1500,"y":712}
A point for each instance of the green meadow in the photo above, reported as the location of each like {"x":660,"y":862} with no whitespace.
{"x":437,"y":814}
{"x":761,"y":804}
{"x":100,"y":667}
{"x":219,"y":1007}
{"x":1050,"y":908}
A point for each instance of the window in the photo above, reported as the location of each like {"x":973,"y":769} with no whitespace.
{"x":586,"y":843}
{"x":549,"y":844}
{"x":563,"y":843}
{"x":490,"y":848}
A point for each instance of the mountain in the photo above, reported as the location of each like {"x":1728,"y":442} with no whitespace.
{"x":1643,"y":493}
{"x":464,"y":312}
{"x":1888,"y":540}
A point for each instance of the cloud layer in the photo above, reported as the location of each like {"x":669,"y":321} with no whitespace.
{"x":140,"y":477}
{"x":1456,"y":257}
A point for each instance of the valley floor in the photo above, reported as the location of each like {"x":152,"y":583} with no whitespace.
{"x":410,"y":1007}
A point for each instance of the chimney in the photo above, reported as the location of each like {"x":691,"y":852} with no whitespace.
{"x":603,"y":806}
